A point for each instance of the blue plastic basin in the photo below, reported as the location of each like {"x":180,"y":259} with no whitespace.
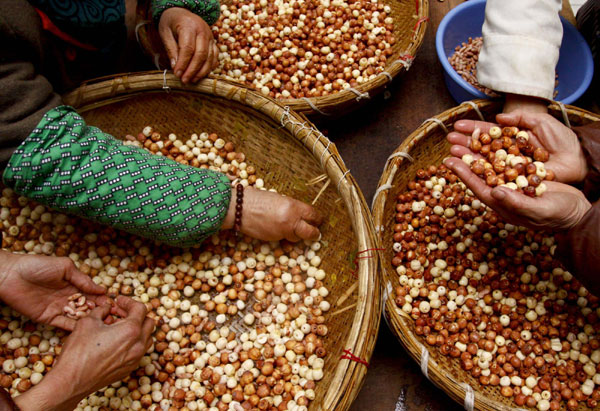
{"x":575,"y":66}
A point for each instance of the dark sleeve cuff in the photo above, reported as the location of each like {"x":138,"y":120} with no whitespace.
{"x":578,"y":249}
{"x":589,"y":137}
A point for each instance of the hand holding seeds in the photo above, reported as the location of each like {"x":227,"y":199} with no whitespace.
{"x":189,"y":43}
{"x":561,"y":207}
{"x":94,"y":355}
{"x":566,"y":159}
{"x":270,"y":216}
{"x":550,"y":148}
{"x":40,"y":287}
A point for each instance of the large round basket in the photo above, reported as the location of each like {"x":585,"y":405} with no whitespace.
{"x":410,"y":22}
{"x":426,"y":146}
{"x":292,"y":157}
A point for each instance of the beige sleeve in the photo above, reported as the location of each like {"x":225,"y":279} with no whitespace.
{"x":521,"y":41}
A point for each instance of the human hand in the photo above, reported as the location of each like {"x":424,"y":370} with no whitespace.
{"x":189,"y":43}
{"x":39,"y":286}
{"x":270,"y":216}
{"x":567,"y":160}
{"x":93,"y":356}
{"x":559,"y":208}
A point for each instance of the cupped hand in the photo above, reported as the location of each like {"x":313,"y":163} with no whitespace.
{"x":270,"y":216}
{"x":567,"y":160}
{"x":94,"y":356}
{"x":189,"y":42}
{"x":39,"y":286}
{"x":559,"y":208}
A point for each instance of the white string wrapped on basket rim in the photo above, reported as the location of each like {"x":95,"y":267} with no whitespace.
{"x":311,"y":131}
{"x":316,"y":141}
{"x":286,"y":119}
{"x":326,"y":151}
{"x":437,"y":121}
{"x":387,"y":292}
{"x":475,"y":107}
{"x":402,"y":154}
{"x":388,"y":183}
{"x":388,"y":75}
{"x":386,"y":186}
{"x":165,"y":86}
{"x":314,"y":107}
{"x":563,"y":110}
{"x":469,"y":403}
{"x":401,"y":62}
{"x":405,"y":60}
{"x":285,"y":115}
{"x":359,"y":95}
{"x":301,"y":126}
{"x":424,"y":361}
{"x":342,"y":178}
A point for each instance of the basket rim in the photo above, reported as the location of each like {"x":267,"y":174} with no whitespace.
{"x":324,"y":107}
{"x":461,"y":392}
{"x":348,"y":375}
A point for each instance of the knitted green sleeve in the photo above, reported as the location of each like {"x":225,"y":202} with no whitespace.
{"x":78,"y":169}
{"x":209,"y":10}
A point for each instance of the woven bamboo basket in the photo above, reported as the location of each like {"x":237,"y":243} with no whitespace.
{"x":288,"y":153}
{"x":425,"y":146}
{"x":410,"y":23}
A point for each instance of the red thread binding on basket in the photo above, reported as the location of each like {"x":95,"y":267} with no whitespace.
{"x":407,"y":58}
{"x":418,"y":23}
{"x":355,"y":271}
{"x":417,"y":4}
{"x":347,"y":355}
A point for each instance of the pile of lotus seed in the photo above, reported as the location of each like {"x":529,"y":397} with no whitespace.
{"x":493,"y":296}
{"x":241,"y":323}
{"x":293,"y":49}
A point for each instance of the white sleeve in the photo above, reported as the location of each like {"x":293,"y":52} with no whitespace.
{"x":521,"y":41}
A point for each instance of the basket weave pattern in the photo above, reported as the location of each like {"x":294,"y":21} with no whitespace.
{"x":288,"y":152}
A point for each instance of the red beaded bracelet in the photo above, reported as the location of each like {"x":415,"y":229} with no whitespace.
{"x":237,"y":226}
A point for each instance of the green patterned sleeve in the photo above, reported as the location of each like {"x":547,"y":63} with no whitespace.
{"x":209,"y":10}
{"x":78,"y":169}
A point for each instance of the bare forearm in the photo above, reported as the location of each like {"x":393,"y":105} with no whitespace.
{"x":530,"y":104}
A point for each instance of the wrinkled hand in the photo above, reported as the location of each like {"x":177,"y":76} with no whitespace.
{"x":93,"y":356}
{"x":39,"y":286}
{"x":189,"y":43}
{"x":270,"y":216}
{"x":559,"y":208}
{"x":567,"y":160}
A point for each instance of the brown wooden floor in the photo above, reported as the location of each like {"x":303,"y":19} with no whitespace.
{"x":394,"y":381}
